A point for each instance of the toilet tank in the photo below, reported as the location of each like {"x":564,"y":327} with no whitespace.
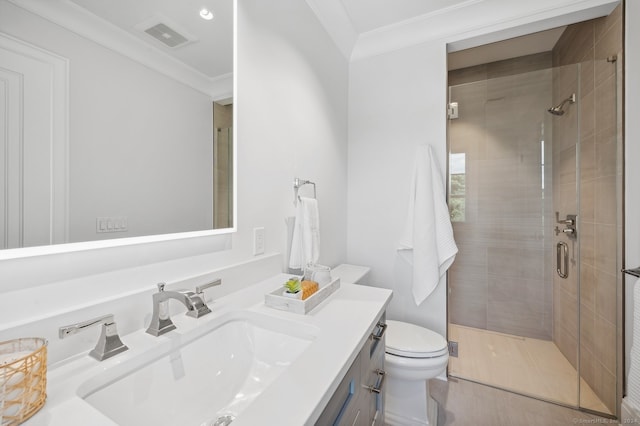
{"x":351,"y":273}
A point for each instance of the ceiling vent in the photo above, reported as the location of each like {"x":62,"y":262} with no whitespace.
{"x":166,"y":35}
{"x":166,"y":32}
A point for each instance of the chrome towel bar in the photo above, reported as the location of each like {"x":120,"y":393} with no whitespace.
{"x":635,"y":272}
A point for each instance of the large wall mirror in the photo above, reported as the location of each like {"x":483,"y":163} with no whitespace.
{"x":118,"y":119}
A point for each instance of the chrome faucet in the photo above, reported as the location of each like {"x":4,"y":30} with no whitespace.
{"x":109,"y":343}
{"x":160,"y":321}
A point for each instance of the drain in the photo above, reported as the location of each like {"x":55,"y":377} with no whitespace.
{"x":224,"y":420}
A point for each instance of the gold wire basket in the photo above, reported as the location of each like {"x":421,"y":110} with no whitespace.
{"x":23,"y":379}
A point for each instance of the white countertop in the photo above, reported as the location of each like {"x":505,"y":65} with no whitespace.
{"x":343,"y":323}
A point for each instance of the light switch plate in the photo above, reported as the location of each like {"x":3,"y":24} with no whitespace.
{"x":111,"y":224}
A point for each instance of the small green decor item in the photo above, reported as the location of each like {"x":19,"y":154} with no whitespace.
{"x":293,"y":285}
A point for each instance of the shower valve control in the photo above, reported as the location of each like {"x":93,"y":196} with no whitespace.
{"x":569,"y":223}
{"x":568,"y":231}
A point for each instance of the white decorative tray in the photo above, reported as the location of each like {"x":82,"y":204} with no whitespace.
{"x":276,"y":300}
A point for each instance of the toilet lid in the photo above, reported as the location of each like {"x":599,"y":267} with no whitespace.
{"x":413,"y":341}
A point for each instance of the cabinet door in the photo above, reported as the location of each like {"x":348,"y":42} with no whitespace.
{"x":344,"y":406}
{"x":359,"y":399}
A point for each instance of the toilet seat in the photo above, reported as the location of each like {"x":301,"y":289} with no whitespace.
{"x":412,"y":341}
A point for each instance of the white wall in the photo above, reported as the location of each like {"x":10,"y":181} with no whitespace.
{"x":292,"y":109}
{"x":396,"y":102}
{"x":292,"y":121}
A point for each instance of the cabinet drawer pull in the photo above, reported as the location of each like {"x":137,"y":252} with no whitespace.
{"x":377,"y":388}
{"x":380,"y":333}
{"x":375,"y":418}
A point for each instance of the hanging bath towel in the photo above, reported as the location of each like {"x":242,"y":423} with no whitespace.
{"x":305,"y":244}
{"x":427,"y":242}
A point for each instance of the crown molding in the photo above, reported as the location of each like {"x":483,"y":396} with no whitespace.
{"x":221,"y":88}
{"x":79,"y":21}
{"x":476,"y":22}
{"x":542,"y":19}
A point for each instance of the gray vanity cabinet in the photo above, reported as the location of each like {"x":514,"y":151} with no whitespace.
{"x":359,"y":399}
{"x":372,"y":368}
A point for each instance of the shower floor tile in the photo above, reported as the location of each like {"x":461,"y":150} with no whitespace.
{"x":524,"y":365}
{"x":464,"y":403}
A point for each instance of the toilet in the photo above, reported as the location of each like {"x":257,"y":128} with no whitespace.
{"x":414,"y":355}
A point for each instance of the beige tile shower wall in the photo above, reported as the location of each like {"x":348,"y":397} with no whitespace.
{"x":499,"y":281}
{"x":223,"y":208}
{"x":565,"y":202}
{"x":590,"y":44}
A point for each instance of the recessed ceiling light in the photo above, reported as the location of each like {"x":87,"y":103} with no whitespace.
{"x":206,"y":14}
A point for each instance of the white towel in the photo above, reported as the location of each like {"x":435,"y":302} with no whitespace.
{"x":427,"y":242}
{"x":633,"y":381}
{"x":305,"y":245}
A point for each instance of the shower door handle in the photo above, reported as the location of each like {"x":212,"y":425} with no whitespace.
{"x":562,"y":259}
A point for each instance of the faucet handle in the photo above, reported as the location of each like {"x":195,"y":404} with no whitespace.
{"x":201,"y":288}
{"x":161,"y":286}
{"x":109,"y":343}
{"x":200,"y":302}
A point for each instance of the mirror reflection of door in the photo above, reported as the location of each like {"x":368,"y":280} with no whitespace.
{"x":32,"y":195}
{"x":222,"y":164}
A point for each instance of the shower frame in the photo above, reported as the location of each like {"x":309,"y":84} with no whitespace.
{"x":573,"y":102}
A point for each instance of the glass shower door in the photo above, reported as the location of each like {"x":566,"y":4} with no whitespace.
{"x":504,"y":175}
{"x":534,"y":190}
{"x":600,"y":235}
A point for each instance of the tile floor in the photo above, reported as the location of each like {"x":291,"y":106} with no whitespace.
{"x":464,"y":403}
{"x":524,"y":365}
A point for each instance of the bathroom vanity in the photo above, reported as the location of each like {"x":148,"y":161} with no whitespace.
{"x":359,"y":398}
{"x":244,"y":360}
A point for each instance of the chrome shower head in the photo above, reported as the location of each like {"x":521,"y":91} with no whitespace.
{"x":557,"y":110}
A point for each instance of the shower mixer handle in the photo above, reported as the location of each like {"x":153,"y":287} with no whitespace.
{"x":567,"y":231}
{"x":569,"y":223}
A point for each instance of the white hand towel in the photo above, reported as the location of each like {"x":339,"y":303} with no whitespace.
{"x":305,"y":245}
{"x":427,"y":242}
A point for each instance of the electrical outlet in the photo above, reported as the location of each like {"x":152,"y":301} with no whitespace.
{"x":258,"y":241}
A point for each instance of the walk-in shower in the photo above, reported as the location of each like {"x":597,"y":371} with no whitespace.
{"x":534,"y":295}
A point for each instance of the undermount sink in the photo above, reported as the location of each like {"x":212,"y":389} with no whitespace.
{"x":208,"y":380}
